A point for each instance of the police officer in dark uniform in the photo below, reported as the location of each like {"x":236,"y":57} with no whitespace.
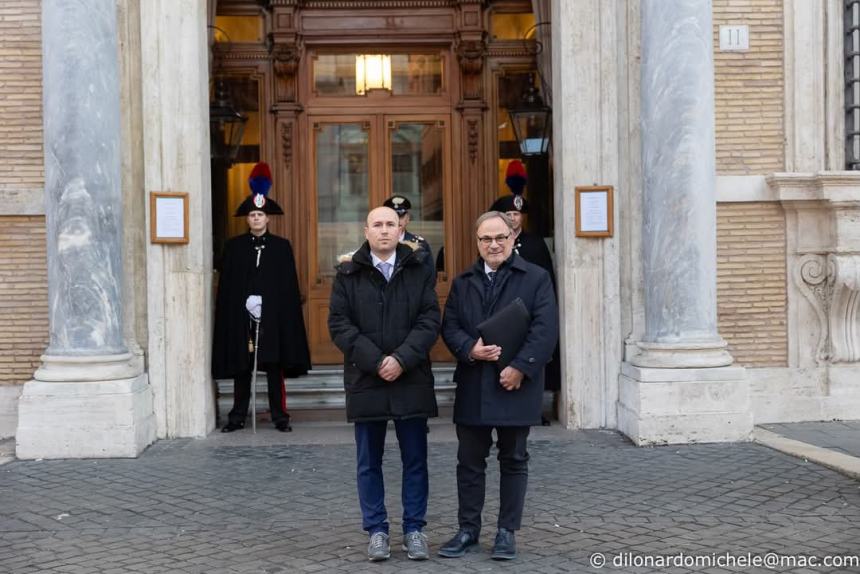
{"x":258,"y":282}
{"x":401,"y":205}
{"x":534,"y":250}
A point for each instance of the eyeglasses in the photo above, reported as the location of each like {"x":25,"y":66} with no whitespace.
{"x":487,"y":241}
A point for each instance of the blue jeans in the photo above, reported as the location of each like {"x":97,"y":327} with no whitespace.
{"x":370,"y":445}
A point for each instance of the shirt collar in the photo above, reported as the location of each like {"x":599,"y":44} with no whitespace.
{"x":376,"y":260}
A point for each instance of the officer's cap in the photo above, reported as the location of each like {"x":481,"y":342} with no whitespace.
{"x":399,"y":204}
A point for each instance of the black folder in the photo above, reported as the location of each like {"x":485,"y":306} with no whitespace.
{"x":507,"y":328}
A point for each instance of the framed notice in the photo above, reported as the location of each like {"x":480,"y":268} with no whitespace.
{"x":594,"y":211}
{"x":168,"y":217}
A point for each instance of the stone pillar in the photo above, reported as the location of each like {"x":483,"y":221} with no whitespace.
{"x":675,"y":390}
{"x":175,"y":119}
{"x":90,"y":397}
{"x":590,"y":114}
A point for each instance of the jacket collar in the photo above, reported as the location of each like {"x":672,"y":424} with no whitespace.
{"x":476,"y":275}
{"x":254,"y":240}
{"x":514,"y":263}
{"x":361,"y":258}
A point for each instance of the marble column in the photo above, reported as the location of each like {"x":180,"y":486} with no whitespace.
{"x":678,"y":154}
{"x":680,"y":388}
{"x":90,"y":396}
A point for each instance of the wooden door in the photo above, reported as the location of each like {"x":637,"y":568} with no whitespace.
{"x":355,"y":163}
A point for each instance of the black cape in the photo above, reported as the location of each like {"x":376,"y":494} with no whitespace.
{"x":534,"y":250}
{"x":282,"y":330}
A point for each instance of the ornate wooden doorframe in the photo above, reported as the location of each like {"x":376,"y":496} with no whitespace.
{"x":296,"y":29}
{"x":300,"y":26}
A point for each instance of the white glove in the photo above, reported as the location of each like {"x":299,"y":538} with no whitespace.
{"x":254,"y":305}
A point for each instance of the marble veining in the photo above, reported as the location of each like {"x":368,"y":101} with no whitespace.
{"x":679,"y":219}
{"x":81,"y":98}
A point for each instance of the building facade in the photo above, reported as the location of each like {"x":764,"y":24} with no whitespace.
{"x":726,"y":295}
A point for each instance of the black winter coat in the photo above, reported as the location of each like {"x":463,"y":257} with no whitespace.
{"x":480,"y":399}
{"x":282,"y":330}
{"x":370,"y":318}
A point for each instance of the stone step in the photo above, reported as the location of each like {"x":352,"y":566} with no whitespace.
{"x":320,"y":396}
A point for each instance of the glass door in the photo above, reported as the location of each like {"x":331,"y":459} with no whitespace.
{"x":343,"y":190}
{"x":418,"y":167}
{"x":344,"y":184}
{"x":356,"y":163}
{"x":415,"y":169}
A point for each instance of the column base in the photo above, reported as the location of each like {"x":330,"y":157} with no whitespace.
{"x":682,"y":355}
{"x":107,"y":419}
{"x":95,"y":368}
{"x":679,"y":406}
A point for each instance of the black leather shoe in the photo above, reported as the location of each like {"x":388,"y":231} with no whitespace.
{"x":230,"y":427}
{"x":284,"y":426}
{"x":459,"y":545}
{"x":505,"y":547}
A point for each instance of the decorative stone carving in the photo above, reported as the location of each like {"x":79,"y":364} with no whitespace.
{"x":472,"y":138}
{"x":470,"y":55}
{"x":811,"y":276}
{"x":831,"y":284}
{"x":845,"y":309}
{"x":285,"y":59}
{"x":285,"y":62}
{"x":287,"y":145}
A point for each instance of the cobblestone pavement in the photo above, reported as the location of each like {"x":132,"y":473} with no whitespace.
{"x":216,"y":506}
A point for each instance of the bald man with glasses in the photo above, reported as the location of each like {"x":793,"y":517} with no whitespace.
{"x":487,"y":398}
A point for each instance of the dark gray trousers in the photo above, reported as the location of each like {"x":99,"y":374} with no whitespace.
{"x":472,"y":453}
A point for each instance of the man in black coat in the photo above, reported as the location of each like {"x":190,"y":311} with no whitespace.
{"x":258,"y":281}
{"x":508,"y":401}
{"x":385,"y":317}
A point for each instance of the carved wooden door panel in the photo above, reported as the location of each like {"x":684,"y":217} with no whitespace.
{"x":355,"y":163}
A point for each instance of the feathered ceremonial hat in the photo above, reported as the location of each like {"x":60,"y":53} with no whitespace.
{"x":515,"y":178}
{"x":260,"y":182}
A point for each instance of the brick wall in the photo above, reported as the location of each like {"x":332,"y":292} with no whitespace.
{"x":23,"y":268}
{"x":23,"y":297}
{"x":20,"y":94}
{"x":749,"y":89}
{"x":751,"y":288}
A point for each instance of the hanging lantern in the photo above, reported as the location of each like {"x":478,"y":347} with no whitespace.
{"x":226,"y":125}
{"x":532,"y":123}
